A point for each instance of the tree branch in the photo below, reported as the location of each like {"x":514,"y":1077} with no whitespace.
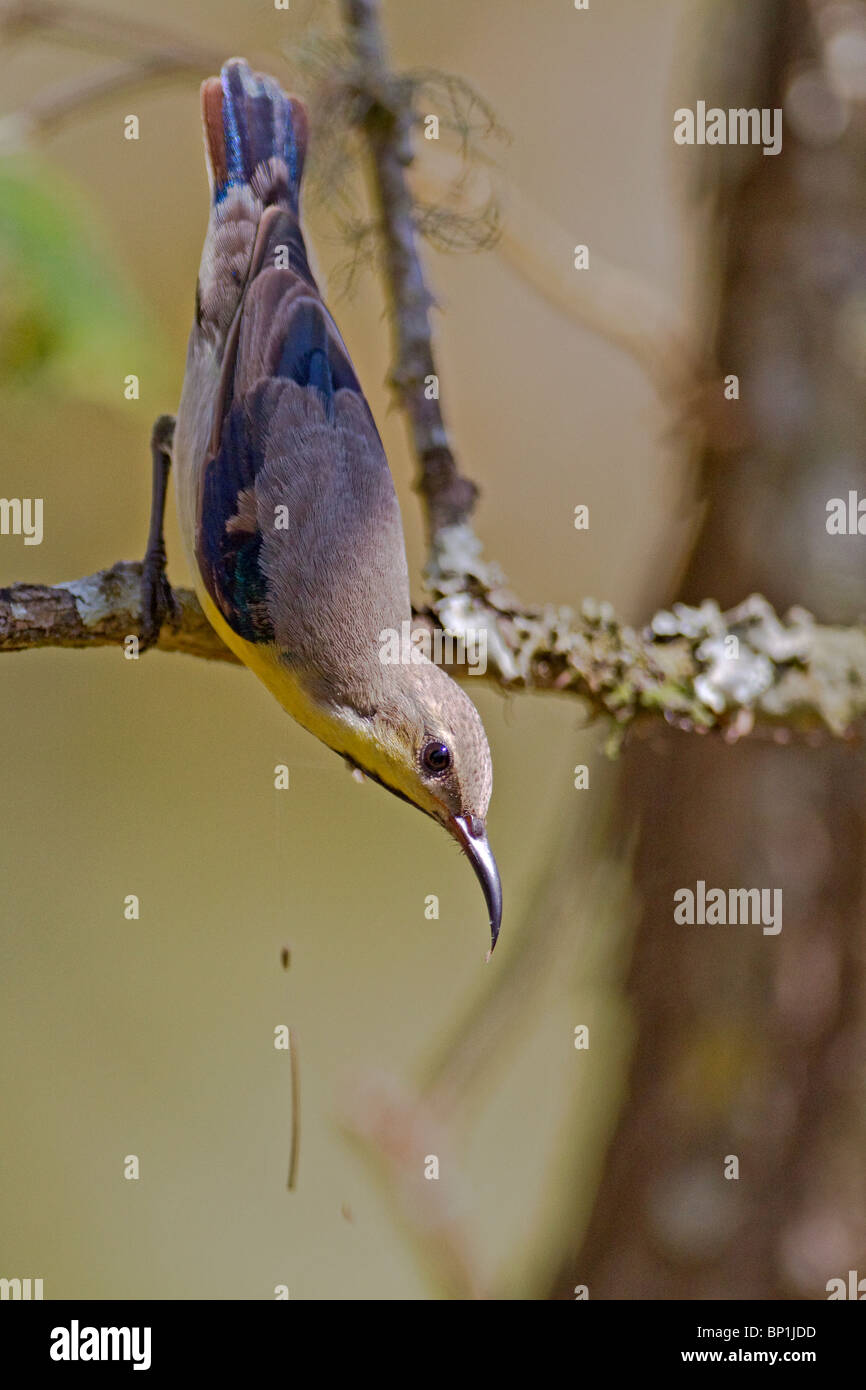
{"x":697,"y":668}
{"x":103,"y":610}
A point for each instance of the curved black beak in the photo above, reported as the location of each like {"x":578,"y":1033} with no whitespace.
{"x":470,"y":832}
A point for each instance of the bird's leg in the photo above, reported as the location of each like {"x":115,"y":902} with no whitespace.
{"x":157,"y":600}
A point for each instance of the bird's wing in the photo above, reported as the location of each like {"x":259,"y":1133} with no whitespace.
{"x":299,"y":539}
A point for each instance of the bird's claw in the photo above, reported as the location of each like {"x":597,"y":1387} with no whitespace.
{"x":158,"y":603}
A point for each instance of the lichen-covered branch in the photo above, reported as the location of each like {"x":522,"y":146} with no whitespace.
{"x":698,"y":668}
{"x":103,"y":610}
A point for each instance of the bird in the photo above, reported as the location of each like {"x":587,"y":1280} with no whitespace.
{"x":287,"y":507}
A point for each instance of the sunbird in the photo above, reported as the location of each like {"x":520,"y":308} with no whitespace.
{"x":287,"y":507}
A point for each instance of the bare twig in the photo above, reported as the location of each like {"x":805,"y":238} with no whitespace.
{"x":295,"y":1150}
{"x":50,"y":108}
{"x":618,"y":305}
{"x":402,"y":1135}
{"x":149,"y":52}
{"x":383,"y":116}
{"x":85,"y":27}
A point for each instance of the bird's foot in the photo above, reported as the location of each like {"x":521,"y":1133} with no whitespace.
{"x":158,"y":603}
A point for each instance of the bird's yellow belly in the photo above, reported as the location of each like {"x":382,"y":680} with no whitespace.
{"x":263,"y":660}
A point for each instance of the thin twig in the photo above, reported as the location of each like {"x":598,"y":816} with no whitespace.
{"x":383,"y":116}
{"x":85,"y":27}
{"x":617,"y":304}
{"x":294,"y":1152}
{"x":148,"y":52}
{"x":50,"y":108}
{"x":401,"y":1135}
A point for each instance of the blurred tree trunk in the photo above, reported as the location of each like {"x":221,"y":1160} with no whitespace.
{"x":749,"y":1044}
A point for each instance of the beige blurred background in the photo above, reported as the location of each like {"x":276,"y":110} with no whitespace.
{"x":155,"y":777}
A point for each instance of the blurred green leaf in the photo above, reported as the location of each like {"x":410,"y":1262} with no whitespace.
{"x":67,"y":319}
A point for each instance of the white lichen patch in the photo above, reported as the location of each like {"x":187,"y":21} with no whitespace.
{"x":741,"y":651}
{"x":99,"y":597}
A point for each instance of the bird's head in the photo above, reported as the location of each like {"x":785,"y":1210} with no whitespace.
{"x":425,"y":742}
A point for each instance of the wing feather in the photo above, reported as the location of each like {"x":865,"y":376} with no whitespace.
{"x":299,"y":537}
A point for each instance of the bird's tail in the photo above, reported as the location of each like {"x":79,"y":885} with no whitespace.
{"x":254,"y":134}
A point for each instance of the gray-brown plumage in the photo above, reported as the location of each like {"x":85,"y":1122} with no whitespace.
{"x":287,"y":505}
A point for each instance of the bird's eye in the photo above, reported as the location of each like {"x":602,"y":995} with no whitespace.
{"x":436,"y":758}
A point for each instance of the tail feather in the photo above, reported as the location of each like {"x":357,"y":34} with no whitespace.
{"x":255,"y":135}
